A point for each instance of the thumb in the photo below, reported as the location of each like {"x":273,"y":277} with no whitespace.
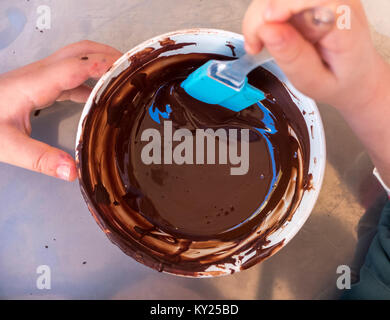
{"x":298,"y":58}
{"x":23,"y":151}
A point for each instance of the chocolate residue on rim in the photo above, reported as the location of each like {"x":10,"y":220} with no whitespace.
{"x":309,"y":182}
{"x":232,"y":47}
{"x":166,"y":42}
{"x":173,"y":217}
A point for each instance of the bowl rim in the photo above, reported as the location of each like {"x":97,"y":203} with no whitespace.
{"x":320,"y":133}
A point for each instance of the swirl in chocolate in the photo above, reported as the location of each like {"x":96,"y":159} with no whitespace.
{"x":195,"y":219}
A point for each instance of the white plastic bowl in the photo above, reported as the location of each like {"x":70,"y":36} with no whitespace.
{"x":214,"y":41}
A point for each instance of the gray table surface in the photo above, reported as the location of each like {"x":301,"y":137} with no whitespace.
{"x":38,"y":211}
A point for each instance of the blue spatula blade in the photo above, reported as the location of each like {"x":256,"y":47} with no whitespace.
{"x":204,"y":88}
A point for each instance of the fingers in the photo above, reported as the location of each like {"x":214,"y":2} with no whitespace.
{"x":43,"y":86}
{"x":60,"y":76}
{"x":261,"y":12}
{"x":22,"y":151}
{"x":283,"y":10}
{"x":83,"y":48}
{"x":298,"y":58}
{"x":252,"y":21}
{"x":319,"y":71}
{"x":79,"y":94}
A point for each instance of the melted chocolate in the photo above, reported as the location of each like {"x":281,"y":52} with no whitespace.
{"x":184,"y":218}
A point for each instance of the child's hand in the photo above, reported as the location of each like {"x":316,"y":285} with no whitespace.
{"x":343,"y":69}
{"x":56,"y":78}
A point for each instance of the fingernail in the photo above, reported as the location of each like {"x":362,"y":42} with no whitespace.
{"x":323,"y":15}
{"x":63,"y":172}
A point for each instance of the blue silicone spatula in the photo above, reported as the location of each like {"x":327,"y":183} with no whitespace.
{"x":225,"y":83}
